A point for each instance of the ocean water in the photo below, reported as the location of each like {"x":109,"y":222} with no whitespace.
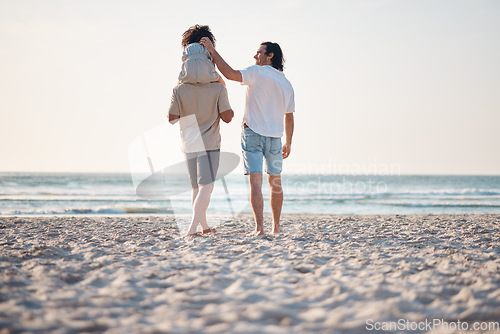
{"x":114,"y":194}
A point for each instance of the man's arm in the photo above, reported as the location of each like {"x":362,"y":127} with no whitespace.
{"x":172,"y":119}
{"x":223,"y":67}
{"x":289,"y":124}
{"x":173,"y":111}
{"x":227,"y":115}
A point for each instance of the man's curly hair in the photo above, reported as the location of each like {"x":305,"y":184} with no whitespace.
{"x":195,"y":33}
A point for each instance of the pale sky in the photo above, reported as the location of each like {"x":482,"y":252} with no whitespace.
{"x":407,"y":86}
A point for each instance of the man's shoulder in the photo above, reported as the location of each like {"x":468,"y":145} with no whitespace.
{"x":204,"y":86}
{"x":277,"y":76}
{"x":253,"y":68}
{"x":216,"y":86}
{"x":263,"y":71}
{"x":271,"y":72}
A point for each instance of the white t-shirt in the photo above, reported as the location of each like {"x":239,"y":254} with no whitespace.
{"x":269,"y":97}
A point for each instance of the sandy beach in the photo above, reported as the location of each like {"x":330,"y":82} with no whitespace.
{"x":324,"y":274}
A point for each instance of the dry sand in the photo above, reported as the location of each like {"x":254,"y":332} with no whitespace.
{"x":324,"y":274}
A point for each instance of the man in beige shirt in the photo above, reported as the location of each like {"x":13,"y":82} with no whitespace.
{"x":199,"y":102}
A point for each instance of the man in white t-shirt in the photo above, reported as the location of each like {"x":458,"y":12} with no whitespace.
{"x":269,"y":101}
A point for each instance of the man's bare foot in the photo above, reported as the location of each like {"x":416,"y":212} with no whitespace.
{"x":276,"y":230}
{"x":209,"y":230}
{"x":258,"y":232}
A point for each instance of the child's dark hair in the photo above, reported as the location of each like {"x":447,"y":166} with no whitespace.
{"x":195,"y":33}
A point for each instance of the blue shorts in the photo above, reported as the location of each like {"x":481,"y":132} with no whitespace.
{"x":256,"y":147}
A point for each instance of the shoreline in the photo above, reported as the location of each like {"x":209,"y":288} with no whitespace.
{"x":325,"y":273}
{"x":241,"y":215}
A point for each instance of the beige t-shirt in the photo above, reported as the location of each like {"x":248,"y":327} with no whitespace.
{"x":199,"y":106}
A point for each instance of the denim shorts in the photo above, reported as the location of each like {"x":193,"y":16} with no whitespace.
{"x":202,"y":166}
{"x":256,"y":147}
